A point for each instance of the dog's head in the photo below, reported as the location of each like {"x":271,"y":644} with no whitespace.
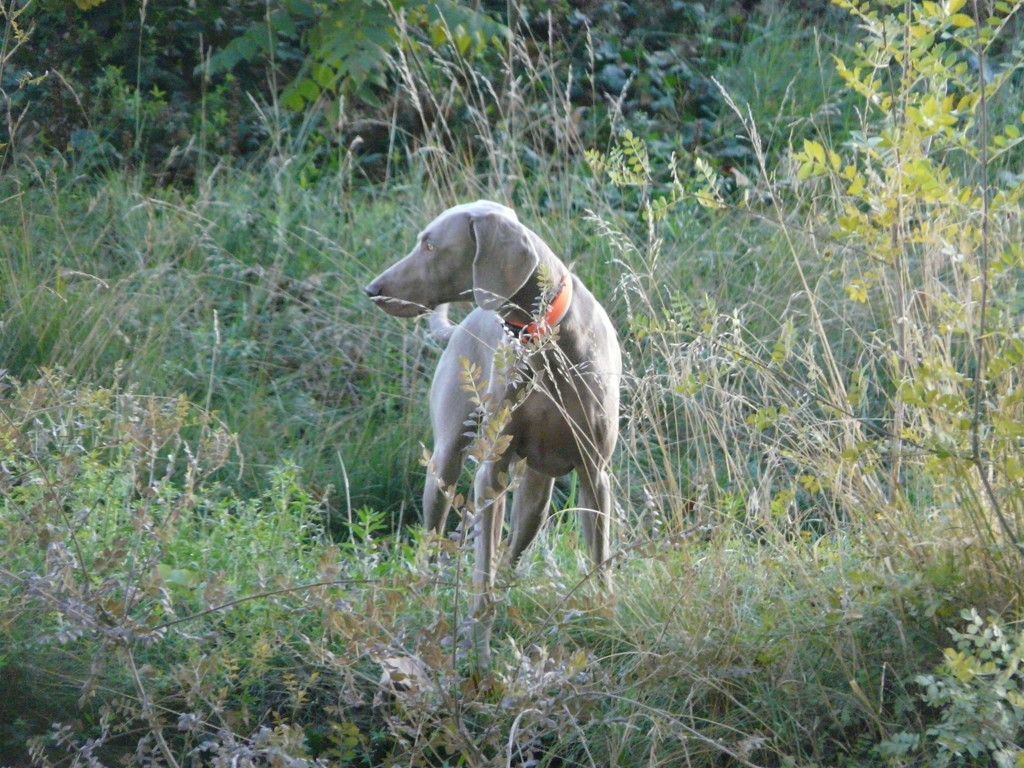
{"x":475,"y":251}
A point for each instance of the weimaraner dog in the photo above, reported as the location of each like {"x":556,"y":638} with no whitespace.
{"x":549,"y":358}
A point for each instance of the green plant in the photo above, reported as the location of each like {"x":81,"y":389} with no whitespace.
{"x":348,"y":44}
{"x":923,"y":407}
{"x":224,"y":571}
{"x":14,"y":37}
{"x":143,"y":595}
{"x":977,"y":697}
{"x":858,"y":379}
{"x":926,"y":233}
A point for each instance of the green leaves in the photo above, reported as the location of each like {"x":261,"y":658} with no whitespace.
{"x":928,"y":202}
{"x":979,"y":691}
{"x":932,"y":114}
{"x":815,"y":160}
{"x":348,"y":44}
{"x":628,"y":166}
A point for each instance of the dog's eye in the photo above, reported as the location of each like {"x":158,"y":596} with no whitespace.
{"x":427,"y":245}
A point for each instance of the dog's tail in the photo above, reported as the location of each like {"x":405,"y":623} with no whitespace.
{"x":440,"y":325}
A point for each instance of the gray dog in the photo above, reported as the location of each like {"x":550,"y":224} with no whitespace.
{"x":548,"y":356}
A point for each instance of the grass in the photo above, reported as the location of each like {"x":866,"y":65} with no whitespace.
{"x":230,"y":298}
{"x":208,"y":442}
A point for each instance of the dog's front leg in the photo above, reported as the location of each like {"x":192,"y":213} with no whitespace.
{"x":489,"y":500}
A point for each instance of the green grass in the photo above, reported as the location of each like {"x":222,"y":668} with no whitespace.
{"x":209,"y":441}
{"x":243,"y":612}
{"x":231,"y":297}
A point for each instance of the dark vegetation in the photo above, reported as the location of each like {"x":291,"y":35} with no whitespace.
{"x":805,"y":221}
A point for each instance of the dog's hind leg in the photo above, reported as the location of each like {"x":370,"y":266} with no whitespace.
{"x":596,"y":510}
{"x":530,"y":502}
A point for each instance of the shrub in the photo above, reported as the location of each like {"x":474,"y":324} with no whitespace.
{"x":976,"y":698}
{"x":896,"y":407}
{"x":171,"y":615}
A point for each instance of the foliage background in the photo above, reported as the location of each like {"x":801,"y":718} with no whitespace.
{"x":805,"y":222}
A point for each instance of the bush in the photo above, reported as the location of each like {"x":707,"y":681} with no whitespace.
{"x":896,"y":407}
{"x":976,"y":697}
{"x":175,"y":614}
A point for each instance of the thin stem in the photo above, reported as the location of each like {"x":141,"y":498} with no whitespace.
{"x":979,"y":340}
{"x":155,"y":726}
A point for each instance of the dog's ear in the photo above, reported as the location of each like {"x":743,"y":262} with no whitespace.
{"x":505,"y":259}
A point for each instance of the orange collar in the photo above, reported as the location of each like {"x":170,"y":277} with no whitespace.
{"x":556,"y":312}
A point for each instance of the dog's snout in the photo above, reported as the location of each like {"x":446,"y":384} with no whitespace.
{"x":385,"y":293}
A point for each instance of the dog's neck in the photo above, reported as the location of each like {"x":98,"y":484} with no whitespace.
{"x":549,"y":305}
